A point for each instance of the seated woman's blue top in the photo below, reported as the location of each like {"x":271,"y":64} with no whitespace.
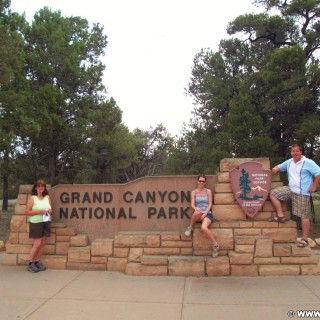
{"x":202,"y":201}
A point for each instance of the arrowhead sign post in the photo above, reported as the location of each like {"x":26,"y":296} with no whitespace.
{"x":251,"y":186}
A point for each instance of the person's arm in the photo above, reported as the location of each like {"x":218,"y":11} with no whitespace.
{"x":193,"y":201}
{"x":29,"y":211}
{"x":282,"y":167}
{"x":50,"y":210}
{"x":314,"y":187}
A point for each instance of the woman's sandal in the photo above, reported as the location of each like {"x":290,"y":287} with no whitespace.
{"x":215,"y":251}
{"x":302,"y":243}
{"x":279,"y":219}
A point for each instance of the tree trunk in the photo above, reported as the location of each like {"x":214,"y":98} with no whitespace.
{"x":5,"y":177}
{"x":52,"y":170}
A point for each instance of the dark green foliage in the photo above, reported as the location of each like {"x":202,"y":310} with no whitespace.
{"x":152,"y":149}
{"x":14,"y":119}
{"x":260,"y":93}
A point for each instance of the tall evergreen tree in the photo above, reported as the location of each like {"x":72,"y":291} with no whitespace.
{"x":14,"y":119}
{"x":65,"y":76}
{"x":257,"y":94}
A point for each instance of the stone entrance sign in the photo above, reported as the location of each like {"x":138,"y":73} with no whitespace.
{"x":146,"y":204}
{"x":251,"y":186}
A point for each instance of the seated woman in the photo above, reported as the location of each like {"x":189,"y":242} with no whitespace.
{"x":201,"y":203}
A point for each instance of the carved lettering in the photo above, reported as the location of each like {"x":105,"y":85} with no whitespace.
{"x":114,"y":212}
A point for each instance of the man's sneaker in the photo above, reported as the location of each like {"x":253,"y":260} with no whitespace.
{"x":33,"y":268}
{"x":40,"y":266}
{"x":188,"y":231}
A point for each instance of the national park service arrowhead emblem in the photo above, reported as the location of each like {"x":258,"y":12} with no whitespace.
{"x":251,"y":186}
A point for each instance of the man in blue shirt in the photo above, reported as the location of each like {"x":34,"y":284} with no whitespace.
{"x":304,"y":177}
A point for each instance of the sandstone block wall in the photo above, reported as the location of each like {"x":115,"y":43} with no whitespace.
{"x":248,"y":246}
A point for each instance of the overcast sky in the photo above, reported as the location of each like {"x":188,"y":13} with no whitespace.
{"x":150,"y":52}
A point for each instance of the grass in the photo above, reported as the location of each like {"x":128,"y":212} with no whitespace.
{"x":316,"y":203}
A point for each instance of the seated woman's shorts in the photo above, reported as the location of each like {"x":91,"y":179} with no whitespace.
{"x":39,"y":230}
{"x":210,"y":216}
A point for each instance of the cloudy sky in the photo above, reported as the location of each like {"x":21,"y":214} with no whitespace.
{"x":150,"y":52}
